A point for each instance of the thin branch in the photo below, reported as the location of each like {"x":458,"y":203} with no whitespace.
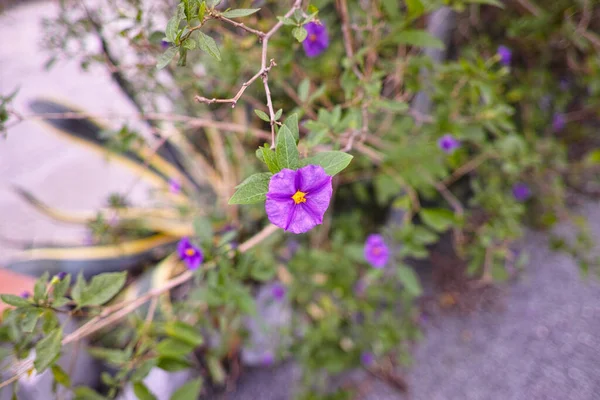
{"x":343,"y":10}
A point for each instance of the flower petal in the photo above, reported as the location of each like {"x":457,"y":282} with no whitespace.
{"x":278,"y":211}
{"x":282,"y":184}
{"x":303,"y":219}
{"x":313,"y":179}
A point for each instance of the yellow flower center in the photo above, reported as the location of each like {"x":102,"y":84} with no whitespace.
{"x":298,"y":197}
{"x":312,"y":37}
{"x":190,"y":252}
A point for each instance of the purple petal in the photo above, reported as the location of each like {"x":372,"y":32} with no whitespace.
{"x":278,"y":210}
{"x":316,"y":41}
{"x":313,"y":179}
{"x":376,"y":251}
{"x":183,"y":245}
{"x":304,"y":219}
{"x":283,"y":184}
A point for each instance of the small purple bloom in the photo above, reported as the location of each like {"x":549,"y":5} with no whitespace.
{"x":564,"y":84}
{"x":521,"y":191}
{"x":278,"y":291}
{"x":448,"y":143}
{"x":268,"y":359}
{"x":505,"y":55}
{"x":367,"y":359}
{"x":164,"y":44}
{"x":25,"y":294}
{"x":558,"y":122}
{"x":61,"y":275}
{"x":174,"y":186}
{"x":189,"y":253}
{"x":376,"y":251}
{"x":317,"y":40}
{"x":297,"y":200}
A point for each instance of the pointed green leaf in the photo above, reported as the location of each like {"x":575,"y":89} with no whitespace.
{"x":202,"y":10}
{"x":252,"y":190}
{"x":47,"y":350}
{"x":262,"y":115}
{"x":440,"y":219}
{"x":173,"y":347}
{"x":85,"y":393}
{"x":299,"y":33}
{"x":102,"y":288}
{"x":78,"y":288}
{"x":172,"y":28}
{"x":16,"y":301}
{"x":496,"y":3}
{"x":184,"y":332}
{"x":165,"y":58}
{"x":61,"y":376}
{"x":240,"y":12}
{"x":30,"y":317}
{"x":269,"y":157}
{"x":188,"y":391}
{"x":142,"y":392}
{"x":61,"y":287}
{"x":278,"y":114}
{"x":410,"y":280}
{"x":418,"y":38}
{"x":39,"y":290}
{"x":208,"y":45}
{"x":286,"y":150}
{"x":292,"y":123}
{"x":332,"y":161}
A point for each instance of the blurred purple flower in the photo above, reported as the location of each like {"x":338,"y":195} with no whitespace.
{"x":367,"y":358}
{"x":564,"y":84}
{"x":25,"y":294}
{"x":174,"y":186}
{"x":505,"y":55}
{"x":164,"y":44}
{"x":190,"y":254}
{"x":316,"y":41}
{"x":297,"y":200}
{"x":521,"y":191}
{"x":278,"y":291}
{"x":558,"y":122}
{"x":376,"y":251}
{"x":61,"y":275}
{"x":448,"y":143}
{"x":268,"y":359}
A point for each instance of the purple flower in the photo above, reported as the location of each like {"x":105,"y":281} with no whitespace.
{"x":317,"y":40}
{"x":505,"y":55}
{"x":189,"y":253}
{"x":174,"y":186}
{"x":268,"y":359}
{"x":297,"y":200}
{"x":558,"y":122}
{"x":25,"y":294}
{"x":61,"y":275}
{"x":164,"y":44}
{"x":521,"y":191}
{"x":448,"y":143}
{"x":376,"y":251}
{"x":278,"y":291}
{"x":367,"y":358}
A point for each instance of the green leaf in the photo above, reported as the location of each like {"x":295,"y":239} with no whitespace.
{"x":208,"y":45}
{"x":332,"y":162}
{"x":439,"y":219}
{"x":16,"y":301}
{"x":418,"y":38}
{"x":278,"y":114}
{"x":61,"y":287}
{"x":189,"y":44}
{"x":78,"y":288}
{"x":30,"y":317}
{"x":47,"y":350}
{"x":203,"y":229}
{"x":292,"y":123}
{"x":142,"y":392}
{"x":202,"y":10}
{"x":172,"y":29}
{"x":392,"y":8}
{"x":410,"y":280}
{"x":496,"y":3}
{"x":299,"y":33}
{"x":415,"y":8}
{"x":303,"y":89}
{"x":286,"y":150}
{"x":186,"y":333}
{"x":61,"y":376}
{"x":165,"y":58}
{"x":172,"y":364}
{"x":143,"y":370}
{"x":269,"y":157}
{"x":173,"y":347}
{"x":85,"y":393}
{"x":39,"y":290}
{"x":287,"y":21}
{"x":102,"y":288}
{"x":252,"y":190}
{"x":262,"y":115}
{"x":112,"y":356}
{"x":51,"y":321}
{"x":189,"y":391}
{"x":240,"y":12}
